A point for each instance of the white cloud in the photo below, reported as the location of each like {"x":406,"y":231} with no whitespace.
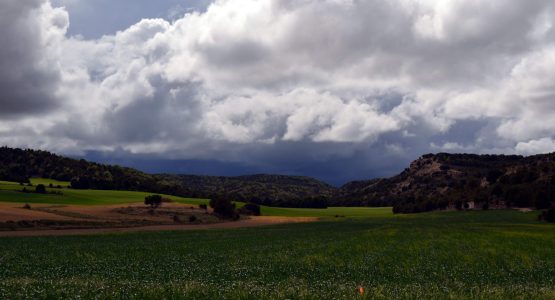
{"x":544,"y":145}
{"x":266,"y":72}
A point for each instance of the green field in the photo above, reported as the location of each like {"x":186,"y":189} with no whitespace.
{"x":47,"y":182}
{"x":483,"y":255}
{"x":342,"y":212}
{"x":9,"y":192}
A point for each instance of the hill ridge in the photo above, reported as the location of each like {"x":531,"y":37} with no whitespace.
{"x":442,"y":180}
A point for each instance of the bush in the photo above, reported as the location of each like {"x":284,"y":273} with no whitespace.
{"x":192,"y":219}
{"x":549,"y":215}
{"x":203,"y":206}
{"x":40,"y":189}
{"x":153,"y":200}
{"x":223,"y":207}
{"x":250,"y":209}
{"x":27,"y":206}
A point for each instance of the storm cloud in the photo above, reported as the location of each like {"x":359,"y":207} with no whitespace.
{"x":29,"y":77}
{"x":286,"y":86}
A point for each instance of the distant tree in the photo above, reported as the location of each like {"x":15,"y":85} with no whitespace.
{"x":223,"y":207}
{"x":497,"y":190}
{"x":250,"y":209}
{"x":153,"y":200}
{"x":40,"y":189}
{"x":544,"y":196}
{"x":80,"y":183}
{"x":548,"y":215}
{"x":493,"y":175}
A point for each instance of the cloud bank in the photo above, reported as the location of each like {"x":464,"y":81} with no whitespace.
{"x":281,"y":83}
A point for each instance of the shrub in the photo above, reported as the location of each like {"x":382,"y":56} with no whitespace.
{"x":549,"y":215}
{"x":40,"y":189}
{"x":250,"y":209}
{"x":493,"y":175}
{"x":543,"y":197}
{"x":153,"y":200}
{"x":223,"y":207}
{"x":203,"y":206}
{"x":27,"y":206}
{"x":192,"y":218}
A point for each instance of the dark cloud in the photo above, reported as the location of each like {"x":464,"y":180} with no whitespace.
{"x":28,"y":82}
{"x":333,"y":89}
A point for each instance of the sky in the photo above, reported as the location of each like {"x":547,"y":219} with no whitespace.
{"x":334,"y":89}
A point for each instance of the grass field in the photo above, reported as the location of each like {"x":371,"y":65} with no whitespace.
{"x":9,"y":192}
{"x":47,"y":182}
{"x":348,"y":212}
{"x":484,"y":255}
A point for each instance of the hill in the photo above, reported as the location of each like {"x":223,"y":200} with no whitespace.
{"x":20,"y":165}
{"x":434,"y":181}
{"x":271,"y":190}
{"x":439,"y":181}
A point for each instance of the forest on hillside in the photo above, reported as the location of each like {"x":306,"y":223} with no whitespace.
{"x":273,"y":190}
{"x":458,"y":181}
{"x":434,"y":181}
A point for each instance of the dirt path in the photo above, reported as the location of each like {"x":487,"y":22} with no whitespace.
{"x":252,"y":222}
{"x":16,"y":212}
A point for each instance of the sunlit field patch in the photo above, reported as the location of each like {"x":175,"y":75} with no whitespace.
{"x":10,"y":192}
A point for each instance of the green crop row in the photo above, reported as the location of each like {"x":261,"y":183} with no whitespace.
{"x":485,"y":254}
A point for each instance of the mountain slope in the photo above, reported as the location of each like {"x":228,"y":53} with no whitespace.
{"x":19,"y":165}
{"x":453,"y":180}
{"x":273,"y":190}
{"x":434,"y":181}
